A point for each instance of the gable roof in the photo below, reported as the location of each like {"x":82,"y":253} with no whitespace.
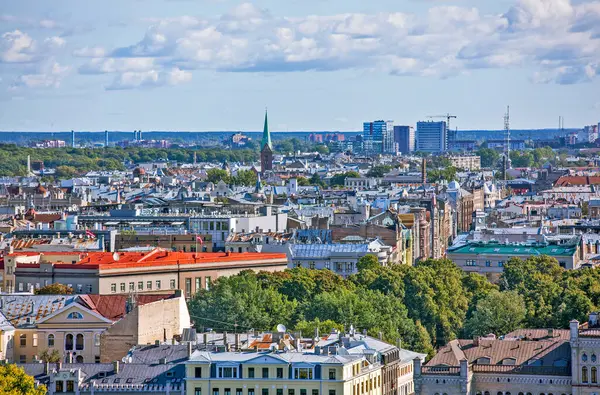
{"x":113,"y":307}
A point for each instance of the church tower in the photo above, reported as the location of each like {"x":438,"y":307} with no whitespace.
{"x":266,"y":149}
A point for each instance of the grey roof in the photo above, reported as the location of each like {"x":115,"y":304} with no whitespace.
{"x":103,"y":374}
{"x":285,"y":357}
{"x":27,"y":310}
{"x":325,"y":250}
{"x":172,"y":353}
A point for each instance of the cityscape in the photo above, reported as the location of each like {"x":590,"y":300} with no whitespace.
{"x":299,"y":198}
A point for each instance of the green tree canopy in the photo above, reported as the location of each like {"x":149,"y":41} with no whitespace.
{"x":215,"y":175}
{"x":340,"y":179}
{"x":245,"y":177}
{"x":14,"y":381}
{"x":498,"y":313}
{"x":367,"y":262}
{"x":379,"y":170}
{"x":54,"y":289}
{"x":489,"y":157}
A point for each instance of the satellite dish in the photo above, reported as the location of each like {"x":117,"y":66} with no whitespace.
{"x":281,"y":328}
{"x":115,"y":256}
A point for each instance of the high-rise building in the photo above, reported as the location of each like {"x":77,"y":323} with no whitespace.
{"x":432,"y":136}
{"x":378,"y":137}
{"x":404,"y":138}
{"x":72,"y":139}
{"x":266,"y":149}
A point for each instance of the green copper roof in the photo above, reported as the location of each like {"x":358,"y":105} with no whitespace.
{"x":511,"y":250}
{"x":266,"y":138}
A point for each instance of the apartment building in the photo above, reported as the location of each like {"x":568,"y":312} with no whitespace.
{"x":466,"y":162}
{"x":158,"y":270}
{"x":526,"y":361}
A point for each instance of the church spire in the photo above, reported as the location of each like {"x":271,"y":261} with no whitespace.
{"x":266,"y":138}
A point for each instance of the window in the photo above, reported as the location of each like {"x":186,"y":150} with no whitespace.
{"x":79,"y":359}
{"x":279,"y":373}
{"x":207,"y":283}
{"x":75,"y":316}
{"x":22,"y":358}
{"x":593,"y":357}
{"x":131,"y":286}
{"x":471,"y":262}
{"x":188,"y":287}
{"x":172,"y":284}
{"x":250,"y":373}
{"x":291,"y":392}
{"x":500,"y":263}
{"x":79,"y":288}
{"x":303,"y":373}
{"x":198,"y":283}
{"x":51,"y":340}
{"x":198,"y":372}
{"x":69,"y":342}
{"x":70,"y":386}
{"x":113,"y":288}
{"x":140,"y":285}
{"x":594,"y":372}
{"x":34,"y":340}
{"x":97,"y":339}
{"x":148,"y":285}
{"x":97,"y":359}
{"x":227,"y":372}
{"x":79,"y":342}
{"x":59,"y":386}
{"x":331,"y":374}
{"x":227,"y":391}
{"x":331,"y":392}
{"x":198,"y":391}
{"x":122,"y":287}
{"x":23,"y":340}
{"x":584,"y":357}
{"x":328,"y":265}
{"x":157,"y":284}
{"x":488,"y":263}
{"x":584,"y":374}
{"x":311,"y":265}
{"x":250,"y":391}
{"x":265,"y":391}
{"x":239,"y":391}
{"x":88,"y":288}
{"x":315,"y":392}
{"x":279,"y":391}
{"x":302,"y":392}
{"x":215,"y":391}
{"x":265,"y":373}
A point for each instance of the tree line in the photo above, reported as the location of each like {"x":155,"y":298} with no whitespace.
{"x":425,"y":305}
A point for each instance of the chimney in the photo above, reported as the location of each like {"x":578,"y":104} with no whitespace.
{"x":424,"y":171}
{"x":225,"y":341}
{"x":316,"y":332}
{"x":551,"y":332}
{"x":297,"y":343}
{"x":190,"y":349}
{"x":417,"y":367}
{"x":380,"y":335}
{"x":237,"y":342}
{"x":116,"y":367}
{"x":364,"y":332}
{"x":157,"y":343}
{"x":47,"y":368}
{"x":59,"y":365}
{"x":205,"y":338}
{"x":464,"y":368}
{"x":399,"y":343}
{"x":476,"y":341}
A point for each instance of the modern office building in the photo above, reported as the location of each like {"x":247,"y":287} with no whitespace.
{"x":404,"y":138}
{"x":432,"y":136}
{"x":378,"y":137}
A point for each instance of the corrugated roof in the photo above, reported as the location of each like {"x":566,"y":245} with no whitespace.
{"x":324,"y":250}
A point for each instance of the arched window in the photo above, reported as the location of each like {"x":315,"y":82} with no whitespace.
{"x":51,"y":340}
{"x":79,"y":359}
{"x":79,"y":342}
{"x":593,"y":358}
{"x":520,"y":393}
{"x":97,"y":340}
{"x":499,"y":393}
{"x":594,"y":375}
{"x":75,"y":316}
{"x":507,"y":393}
{"x":69,"y":342}
{"x":584,"y":357}
{"x":584,"y":375}
{"x":486,"y":393}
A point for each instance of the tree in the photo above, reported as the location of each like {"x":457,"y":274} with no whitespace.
{"x":303,"y":181}
{"x":315,"y":179}
{"x":498,"y":313}
{"x":308,"y":328}
{"x":379,"y":171}
{"x":367,"y":262}
{"x":14,"y":381}
{"x":245,"y":177}
{"x":51,"y":357}
{"x":66,"y":172}
{"x":489,"y":157}
{"x":54,"y":289}
{"x":215,"y":175}
{"x":340,"y":179}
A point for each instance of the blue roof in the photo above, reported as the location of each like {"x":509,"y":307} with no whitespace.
{"x":324,"y":250}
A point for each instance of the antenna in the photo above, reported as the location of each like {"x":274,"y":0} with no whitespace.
{"x":507,"y":140}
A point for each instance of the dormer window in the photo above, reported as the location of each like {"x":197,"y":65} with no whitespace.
{"x":483,"y":361}
{"x":508,"y":361}
{"x":75,"y":316}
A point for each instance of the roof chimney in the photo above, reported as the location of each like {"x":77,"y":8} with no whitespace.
{"x":476,"y":341}
{"x":116,"y":367}
{"x":190,"y":349}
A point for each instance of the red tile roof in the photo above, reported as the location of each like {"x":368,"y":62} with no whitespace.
{"x":565,"y":181}
{"x":113,"y":307}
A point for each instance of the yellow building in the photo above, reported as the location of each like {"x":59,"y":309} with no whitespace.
{"x":282,"y":373}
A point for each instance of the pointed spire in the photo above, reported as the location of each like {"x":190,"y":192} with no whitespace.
{"x":266,"y":138}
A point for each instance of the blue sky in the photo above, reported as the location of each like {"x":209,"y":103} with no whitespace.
{"x":316,"y":64}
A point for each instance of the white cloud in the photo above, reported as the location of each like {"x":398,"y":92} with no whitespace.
{"x":90,"y":52}
{"x":17,"y":47}
{"x":55,"y":42}
{"x":554,"y":37}
{"x":49,"y":75}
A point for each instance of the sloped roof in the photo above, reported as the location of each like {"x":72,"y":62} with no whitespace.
{"x":113,"y":307}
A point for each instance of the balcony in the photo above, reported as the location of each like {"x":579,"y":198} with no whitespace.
{"x":523,"y":369}
{"x":441,"y":370}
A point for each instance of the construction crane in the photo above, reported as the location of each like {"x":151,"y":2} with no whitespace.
{"x":448,"y":117}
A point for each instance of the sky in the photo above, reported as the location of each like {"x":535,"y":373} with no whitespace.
{"x":215,"y":65}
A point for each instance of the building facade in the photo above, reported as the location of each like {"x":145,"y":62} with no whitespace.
{"x":378,"y":137}
{"x":404,"y":138}
{"x":432,"y":137}
{"x":466,"y":162}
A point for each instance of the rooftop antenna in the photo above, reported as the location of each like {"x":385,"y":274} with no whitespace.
{"x":507,"y":140}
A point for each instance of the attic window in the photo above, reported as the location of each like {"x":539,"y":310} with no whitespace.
{"x":483,"y":361}
{"x":75,"y":316}
{"x":129,"y":380}
{"x":104,"y":381}
{"x":508,"y":361}
{"x":117,"y":381}
{"x":169,"y":374}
